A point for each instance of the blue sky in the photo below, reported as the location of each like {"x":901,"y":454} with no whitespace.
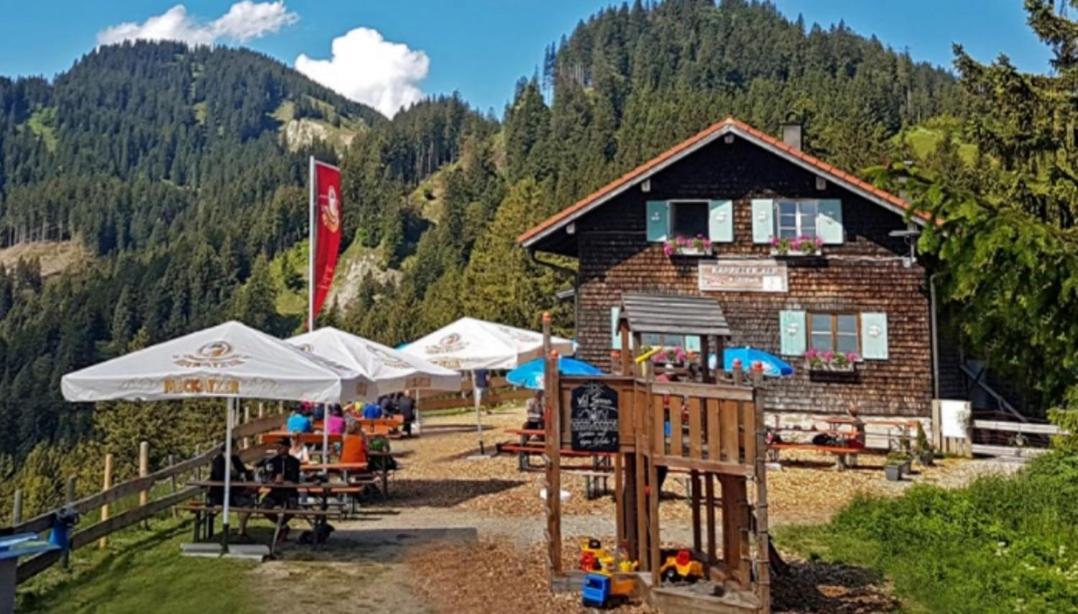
{"x":477,"y":47}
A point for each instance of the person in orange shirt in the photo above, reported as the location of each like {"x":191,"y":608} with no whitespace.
{"x":354,"y":445}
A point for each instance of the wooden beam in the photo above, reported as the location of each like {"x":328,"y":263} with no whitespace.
{"x":1018,"y":427}
{"x":703,"y":391}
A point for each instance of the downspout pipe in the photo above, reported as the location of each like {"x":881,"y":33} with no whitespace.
{"x":932,"y":320}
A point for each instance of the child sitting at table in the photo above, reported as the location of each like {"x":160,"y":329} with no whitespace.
{"x":299,"y":422}
{"x":354,"y":446}
{"x":298,"y":451}
{"x":335,"y":421}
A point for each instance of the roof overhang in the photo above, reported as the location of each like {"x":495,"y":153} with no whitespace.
{"x":673,"y":314}
{"x":728,"y":126}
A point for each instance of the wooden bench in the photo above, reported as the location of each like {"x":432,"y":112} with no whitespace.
{"x":205,"y":513}
{"x":844,"y":455}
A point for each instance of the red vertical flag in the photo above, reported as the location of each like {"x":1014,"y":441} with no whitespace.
{"x":326,"y":219}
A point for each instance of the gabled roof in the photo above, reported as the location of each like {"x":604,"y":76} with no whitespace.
{"x":696,"y":142}
{"x":673,"y":314}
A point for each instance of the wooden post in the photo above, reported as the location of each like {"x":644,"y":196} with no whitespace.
{"x":261,"y":410}
{"x":552,"y":457}
{"x":106,"y":484}
{"x":763,"y":544}
{"x":198,"y":470}
{"x":69,"y":499}
{"x":709,"y":498}
{"x":694,"y":494}
{"x":16,"y":513}
{"x":247,"y":418}
{"x":143,"y":470}
{"x":171,"y":462}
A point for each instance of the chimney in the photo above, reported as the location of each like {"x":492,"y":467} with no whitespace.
{"x":793,"y":131}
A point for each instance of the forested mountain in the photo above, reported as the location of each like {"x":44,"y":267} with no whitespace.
{"x":173,"y":166}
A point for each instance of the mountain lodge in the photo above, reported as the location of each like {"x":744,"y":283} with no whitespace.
{"x":793,"y":256}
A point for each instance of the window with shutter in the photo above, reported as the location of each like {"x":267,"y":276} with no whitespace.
{"x":658,"y":222}
{"x":763,"y":220}
{"x":874,"y":336}
{"x":792,"y":332}
{"x":721,"y":221}
{"x":829,"y":222}
{"x":615,"y":334}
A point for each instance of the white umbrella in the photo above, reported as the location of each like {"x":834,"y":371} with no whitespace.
{"x":470,"y":344}
{"x":229,"y":360}
{"x":384,"y":370}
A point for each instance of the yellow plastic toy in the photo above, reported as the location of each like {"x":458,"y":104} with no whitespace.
{"x":681,"y":568}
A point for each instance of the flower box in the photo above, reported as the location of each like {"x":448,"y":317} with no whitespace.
{"x":831,"y":362}
{"x":688,"y":246}
{"x":798,"y":246}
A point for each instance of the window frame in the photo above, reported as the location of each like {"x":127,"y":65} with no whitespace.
{"x":799,"y":227}
{"x":671,"y":221}
{"x":834,"y":332}
{"x":663,"y":337}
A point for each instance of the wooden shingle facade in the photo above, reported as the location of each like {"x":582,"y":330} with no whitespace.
{"x":859,"y":293}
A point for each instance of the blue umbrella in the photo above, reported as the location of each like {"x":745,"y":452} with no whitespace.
{"x":773,"y":365}
{"x":530,"y":374}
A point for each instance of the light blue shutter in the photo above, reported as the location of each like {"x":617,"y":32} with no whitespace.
{"x":658,"y":212}
{"x":615,"y":335}
{"x":720,"y":221}
{"x":874,"y":336}
{"x":692,"y":343}
{"x":763,"y":220}
{"x":792,"y":332}
{"x":829,"y":222}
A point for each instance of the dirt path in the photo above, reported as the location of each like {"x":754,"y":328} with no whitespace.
{"x":468,"y":535}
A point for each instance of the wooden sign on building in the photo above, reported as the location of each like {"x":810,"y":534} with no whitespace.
{"x":743,"y":275}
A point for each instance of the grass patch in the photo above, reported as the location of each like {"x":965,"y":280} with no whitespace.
{"x":1002,"y":544}
{"x":142,"y":571}
{"x":43,"y":124}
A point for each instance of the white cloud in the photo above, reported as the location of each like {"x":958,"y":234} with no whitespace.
{"x":367,"y":68}
{"x":244,"y":21}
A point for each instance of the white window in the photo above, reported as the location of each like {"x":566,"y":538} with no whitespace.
{"x":689,"y":218}
{"x":796,"y":218}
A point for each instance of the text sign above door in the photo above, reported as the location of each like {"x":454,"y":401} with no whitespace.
{"x":761,"y":275}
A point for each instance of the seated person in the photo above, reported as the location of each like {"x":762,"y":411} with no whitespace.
{"x":238,"y":473}
{"x":534,"y":420}
{"x":354,"y":446}
{"x":299,"y":422}
{"x":335,"y":421}
{"x":372,"y":411}
{"x":406,"y":407}
{"x":299,"y":451}
{"x":388,"y":405}
{"x":283,"y":467}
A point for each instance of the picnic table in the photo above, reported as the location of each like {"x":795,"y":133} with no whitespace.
{"x":311,"y":438}
{"x":317,"y":517}
{"x":595,"y":475}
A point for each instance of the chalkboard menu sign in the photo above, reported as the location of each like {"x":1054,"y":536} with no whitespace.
{"x":593,"y":420}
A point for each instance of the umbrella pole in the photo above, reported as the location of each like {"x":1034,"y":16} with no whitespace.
{"x":478,"y":414}
{"x":230,"y":408}
{"x":325,"y":437}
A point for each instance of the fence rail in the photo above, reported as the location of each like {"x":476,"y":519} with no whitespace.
{"x":137,"y":486}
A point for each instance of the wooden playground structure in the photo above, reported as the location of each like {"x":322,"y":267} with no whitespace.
{"x":712,"y":432}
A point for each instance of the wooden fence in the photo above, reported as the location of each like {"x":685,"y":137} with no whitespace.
{"x":500,"y":391}
{"x":142,"y":486}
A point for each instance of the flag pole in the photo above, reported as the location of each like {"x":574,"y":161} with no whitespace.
{"x":312,"y":179}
